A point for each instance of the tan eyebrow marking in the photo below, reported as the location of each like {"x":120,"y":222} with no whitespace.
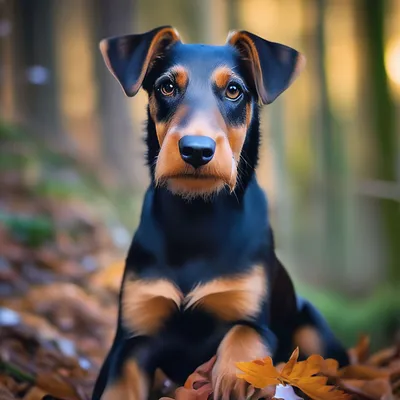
{"x":181,"y":75}
{"x":178,"y":74}
{"x":222,"y":75}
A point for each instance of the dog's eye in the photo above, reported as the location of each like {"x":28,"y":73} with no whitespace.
{"x":233,"y":91}
{"x":167,"y":88}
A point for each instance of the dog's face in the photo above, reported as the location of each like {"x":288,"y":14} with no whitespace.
{"x":201,"y":99}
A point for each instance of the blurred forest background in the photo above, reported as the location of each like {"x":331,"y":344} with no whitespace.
{"x":330,"y":155}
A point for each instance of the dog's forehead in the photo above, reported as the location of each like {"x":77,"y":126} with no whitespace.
{"x":201,"y":59}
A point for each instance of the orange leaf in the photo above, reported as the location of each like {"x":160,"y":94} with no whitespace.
{"x":359,"y":353}
{"x":364,"y":372}
{"x":320,"y":391}
{"x":302,"y":375}
{"x":375,"y":389}
{"x":259,"y":373}
{"x":287,"y":369}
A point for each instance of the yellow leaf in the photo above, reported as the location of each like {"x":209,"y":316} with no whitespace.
{"x":317,"y":392}
{"x":303,"y":375}
{"x":259,"y":373}
{"x":287,"y":369}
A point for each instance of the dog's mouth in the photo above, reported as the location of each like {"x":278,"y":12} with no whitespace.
{"x":192,"y":184}
{"x":194,"y":176}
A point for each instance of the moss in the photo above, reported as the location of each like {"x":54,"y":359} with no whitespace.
{"x":375,"y":315}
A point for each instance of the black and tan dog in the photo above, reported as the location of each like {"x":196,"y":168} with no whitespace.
{"x":201,"y":276}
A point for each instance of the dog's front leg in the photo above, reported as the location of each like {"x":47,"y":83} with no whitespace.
{"x":145,"y":305}
{"x":131,"y":367}
{"x":241,"y":343}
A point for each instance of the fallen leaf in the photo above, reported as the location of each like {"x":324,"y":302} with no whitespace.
{"x":5,"y":394}
{"x":35,"y":393}
{"x":359,"y":354}
{"x":376,"y":389}
{"x":261,"y":373}
{"x":364,"y":372}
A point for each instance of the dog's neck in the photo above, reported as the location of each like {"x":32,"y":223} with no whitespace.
{"x":202,"y":228}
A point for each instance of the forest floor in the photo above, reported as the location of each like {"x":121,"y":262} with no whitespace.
{"x":60,"y":269}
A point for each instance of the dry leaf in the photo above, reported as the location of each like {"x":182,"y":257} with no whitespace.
{"x":5,"y":394}
{"x":376,"y":389}
{"x":359,"y":354}
{"x":56,"y":386}
{"x":364,"y":372}
{"x":261,"y":373}
{"x":35,"y":393}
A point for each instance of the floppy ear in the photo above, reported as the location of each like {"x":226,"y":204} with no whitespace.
{"x":274,"y":66}
{"x":128,"y":57}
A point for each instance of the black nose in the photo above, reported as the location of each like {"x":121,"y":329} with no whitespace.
{"x":197,"y":150}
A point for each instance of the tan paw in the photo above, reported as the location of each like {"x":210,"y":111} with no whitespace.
{"x":227,"y":386}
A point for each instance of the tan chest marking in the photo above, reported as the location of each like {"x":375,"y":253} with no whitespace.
{"x":231,"y":298}
{"x":146,"y":304}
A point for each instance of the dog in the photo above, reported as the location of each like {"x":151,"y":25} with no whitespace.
{"x":201,"y":276}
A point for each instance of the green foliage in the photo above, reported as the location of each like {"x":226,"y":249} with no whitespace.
{"x":349,"y":317}
{"x":30,"y":230}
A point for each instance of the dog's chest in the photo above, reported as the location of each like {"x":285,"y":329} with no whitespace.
{"x":148,"y":303}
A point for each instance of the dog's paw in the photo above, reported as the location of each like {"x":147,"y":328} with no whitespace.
{"x":227,"y":386}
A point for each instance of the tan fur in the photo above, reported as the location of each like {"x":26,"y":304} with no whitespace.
{"x":163,"y":128}
{"x":170,"y":167}
{"x":146,"y":304}
{"x":231,"y":298}
{"x":221,"y":76}
{"x":181,"y":75}
{"x":132,"y":385}
{"x":308,"y":340}
{"x":241,"y":343}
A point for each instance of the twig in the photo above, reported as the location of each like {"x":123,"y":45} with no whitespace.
{"x":15,"y":372}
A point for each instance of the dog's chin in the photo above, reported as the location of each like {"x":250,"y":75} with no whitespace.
{"x":190,"y":187}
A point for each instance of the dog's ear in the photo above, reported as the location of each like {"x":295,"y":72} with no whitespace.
{"x":129,"y":57}
{"x":274,"y":66}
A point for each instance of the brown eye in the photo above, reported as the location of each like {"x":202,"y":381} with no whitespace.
{"x":167,"y":88}
{"x":233,"y":91}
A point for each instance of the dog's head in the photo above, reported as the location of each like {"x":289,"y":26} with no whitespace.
{"x":202,"y":100}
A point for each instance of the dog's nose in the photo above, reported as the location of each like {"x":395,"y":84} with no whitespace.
{"x":197,"y":150}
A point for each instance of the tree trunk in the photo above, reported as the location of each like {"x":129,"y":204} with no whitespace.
{"x":381,"y":114}
{"x":330,"y":154}
{"x":36,"y":86}
{"x":120,"y":139}
{"x":7,"y":66}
